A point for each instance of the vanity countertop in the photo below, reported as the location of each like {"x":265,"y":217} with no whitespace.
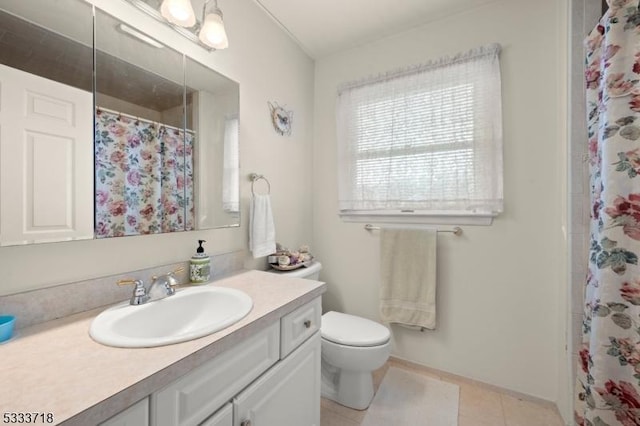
{"x":56,"y":367}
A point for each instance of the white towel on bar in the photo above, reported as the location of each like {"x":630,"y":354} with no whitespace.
{"x":408,"y":277}
{"x":262,"y":231}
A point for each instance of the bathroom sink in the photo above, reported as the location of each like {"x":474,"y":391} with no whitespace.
{"x":188,"y":314}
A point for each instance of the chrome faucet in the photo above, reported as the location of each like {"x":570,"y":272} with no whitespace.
{"x":160,"y":287}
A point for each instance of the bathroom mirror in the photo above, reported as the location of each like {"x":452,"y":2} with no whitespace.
{"x":144,"y":91}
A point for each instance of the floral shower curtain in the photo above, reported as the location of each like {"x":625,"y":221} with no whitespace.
{"x":608,"y":375}
{"x":144,"y":177}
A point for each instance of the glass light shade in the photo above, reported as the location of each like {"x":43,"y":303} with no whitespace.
{"x":212,"y":32}
{"x":179,"y":12}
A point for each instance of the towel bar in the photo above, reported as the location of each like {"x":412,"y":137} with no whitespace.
{"x":254,"y":177}
{"x":457,"y":231}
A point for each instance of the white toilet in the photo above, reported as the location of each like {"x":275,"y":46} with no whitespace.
{"x":352,"y":347}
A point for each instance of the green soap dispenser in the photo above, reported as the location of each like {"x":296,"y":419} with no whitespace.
{"x":199,"y":265}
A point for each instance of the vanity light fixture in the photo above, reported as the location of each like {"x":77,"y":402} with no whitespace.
{"x":207,"y":30}
{"x":140,"y":36}
{"x":212,"y":32}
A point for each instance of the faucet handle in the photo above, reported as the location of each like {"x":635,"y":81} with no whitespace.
{"x":175,"y":271}
{"x":139,"y":292}
{"x":171,"y":276}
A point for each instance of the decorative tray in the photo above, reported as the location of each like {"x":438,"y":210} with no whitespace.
{"x":290,"y":267}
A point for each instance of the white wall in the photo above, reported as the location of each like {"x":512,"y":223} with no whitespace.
{"x":269,"y":67}
{"x":499,"y":317}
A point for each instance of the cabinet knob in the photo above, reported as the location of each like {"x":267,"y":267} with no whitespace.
{"x":246,"y":423}
{"x":307,"y":323}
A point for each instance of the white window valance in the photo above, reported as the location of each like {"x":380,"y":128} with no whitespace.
{"x":425,"y":140}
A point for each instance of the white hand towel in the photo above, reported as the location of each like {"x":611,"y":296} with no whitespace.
{"x":262,"y":231}
{"x":408,"y":277}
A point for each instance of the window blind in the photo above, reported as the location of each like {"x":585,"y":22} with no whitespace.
{"x":425,"y":140}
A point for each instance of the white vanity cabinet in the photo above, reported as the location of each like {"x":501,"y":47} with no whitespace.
{"x":136,"y":415}
{"x":270,"y":379}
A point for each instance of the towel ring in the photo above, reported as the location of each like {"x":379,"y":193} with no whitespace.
{"x":255,"y":177}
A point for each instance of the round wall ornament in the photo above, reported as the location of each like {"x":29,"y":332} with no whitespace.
{"x":281,"y":118}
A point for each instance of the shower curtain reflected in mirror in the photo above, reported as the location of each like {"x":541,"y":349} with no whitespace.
{"x":144,"y":176}
{"x":608,"y":374}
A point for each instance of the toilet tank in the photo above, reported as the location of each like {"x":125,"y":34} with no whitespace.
{"x":311,"y":272}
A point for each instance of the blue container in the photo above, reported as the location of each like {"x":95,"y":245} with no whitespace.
{"x":6,"y":327}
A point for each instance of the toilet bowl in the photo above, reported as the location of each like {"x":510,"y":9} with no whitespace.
{"x":352,"y":347}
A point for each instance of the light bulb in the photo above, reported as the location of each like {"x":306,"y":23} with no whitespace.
{"x":179,"y":12}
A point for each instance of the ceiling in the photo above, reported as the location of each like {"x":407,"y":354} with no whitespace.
{"x":323,"y":27}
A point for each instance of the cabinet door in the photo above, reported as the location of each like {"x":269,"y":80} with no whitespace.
{"x":287,"y":394}
{"x":136,"y":415}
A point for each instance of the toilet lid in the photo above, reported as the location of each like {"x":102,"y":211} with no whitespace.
{"x":351,"y":330}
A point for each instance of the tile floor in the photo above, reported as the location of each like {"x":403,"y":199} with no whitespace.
{"x":479,"y":405}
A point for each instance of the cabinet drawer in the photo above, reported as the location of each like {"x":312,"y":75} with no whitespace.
{"x":299,"y":325}
{"x":193,"y":397}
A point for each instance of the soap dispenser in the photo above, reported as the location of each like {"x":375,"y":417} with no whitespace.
{"x":200,"y":265}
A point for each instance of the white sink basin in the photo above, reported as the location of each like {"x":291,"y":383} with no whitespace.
{"x":189,"y":314}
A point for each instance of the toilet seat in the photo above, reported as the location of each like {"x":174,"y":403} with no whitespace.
{"x":350,"y":330}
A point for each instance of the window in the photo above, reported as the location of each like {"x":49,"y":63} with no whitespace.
{"x":423,"y":142}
